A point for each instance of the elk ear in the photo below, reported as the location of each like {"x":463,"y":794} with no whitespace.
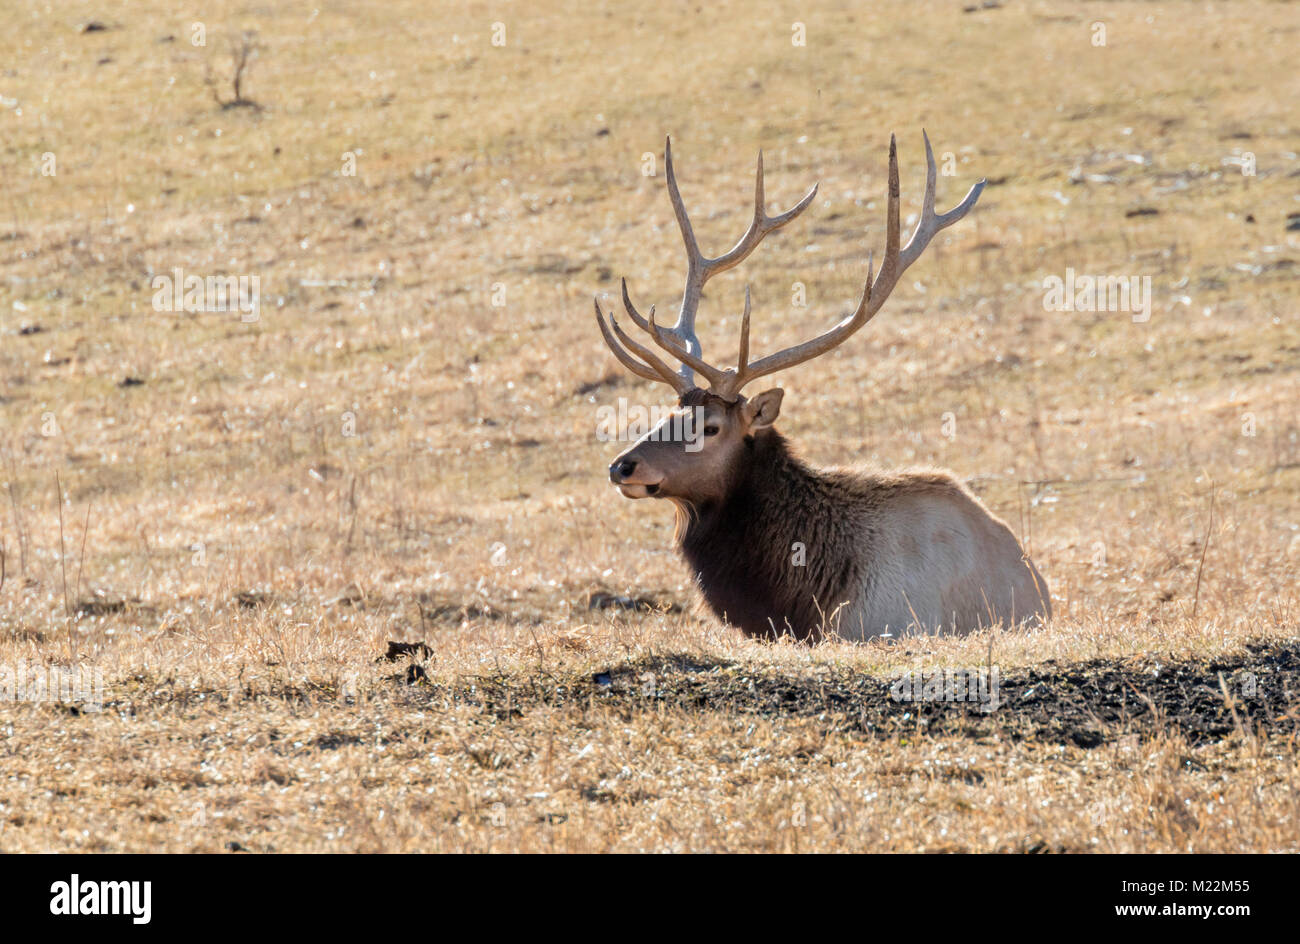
{"x":762,"y":411}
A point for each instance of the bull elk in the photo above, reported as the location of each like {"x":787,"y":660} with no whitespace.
{"x":778,"y":545}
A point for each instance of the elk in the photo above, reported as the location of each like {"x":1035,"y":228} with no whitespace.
{"x":779,"y":546}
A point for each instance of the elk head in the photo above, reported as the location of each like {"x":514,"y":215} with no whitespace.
{"x":695,"y":454}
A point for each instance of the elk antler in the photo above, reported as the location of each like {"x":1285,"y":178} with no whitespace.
{"x":682,"y":336}
{"x":700,"y":269}
{"x":682,"y":341}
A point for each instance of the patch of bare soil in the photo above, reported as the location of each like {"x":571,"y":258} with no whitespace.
{"x":1085,"y":704}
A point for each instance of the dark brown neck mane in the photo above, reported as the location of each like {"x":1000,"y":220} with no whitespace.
{"x":745,"y":549}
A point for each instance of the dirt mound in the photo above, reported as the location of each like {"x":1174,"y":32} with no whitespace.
{"x":1086,"y":704}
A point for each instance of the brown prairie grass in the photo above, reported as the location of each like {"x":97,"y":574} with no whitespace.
{"x":401,"y":446}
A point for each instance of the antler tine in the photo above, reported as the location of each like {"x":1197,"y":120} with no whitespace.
{"x":652,"y":369}
{"x":742,"y":359}
{"x":632,"y":312}
{"x":890,"y":267}
{"x":693,"y":255}
{"x":930,"y":222}
{"x":700,"y":268}
{"x":759,"y":227}
{"x":877,"y":288}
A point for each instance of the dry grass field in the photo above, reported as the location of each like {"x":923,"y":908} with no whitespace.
{"x":229,"y":519}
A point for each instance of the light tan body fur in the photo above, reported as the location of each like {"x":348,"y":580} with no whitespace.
{"x":934,"y":559}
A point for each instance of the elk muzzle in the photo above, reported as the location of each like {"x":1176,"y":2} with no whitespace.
{"x":635,"y":477}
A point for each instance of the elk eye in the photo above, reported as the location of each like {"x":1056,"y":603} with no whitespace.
{"x":710,"y":431}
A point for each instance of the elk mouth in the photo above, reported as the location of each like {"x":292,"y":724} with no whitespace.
{"x":638,"y":490}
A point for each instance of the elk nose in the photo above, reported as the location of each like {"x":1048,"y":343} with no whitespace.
{"x":621,"y":469}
